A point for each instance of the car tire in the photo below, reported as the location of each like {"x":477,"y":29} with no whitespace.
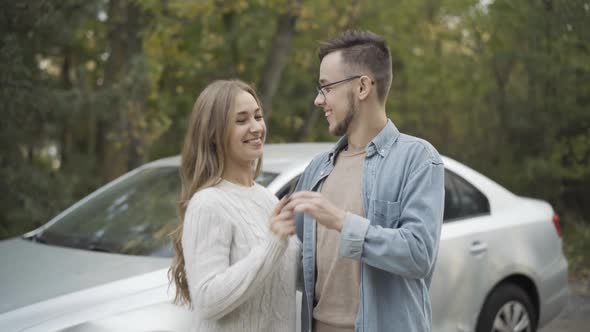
{"x":507,"y":307}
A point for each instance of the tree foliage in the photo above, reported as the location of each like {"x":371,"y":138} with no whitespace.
{"x":93,"y":88}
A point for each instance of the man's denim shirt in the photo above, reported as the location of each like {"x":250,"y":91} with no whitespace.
{"x":397,"y":242}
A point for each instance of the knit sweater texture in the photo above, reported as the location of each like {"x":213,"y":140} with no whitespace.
{"x":241,"y":277}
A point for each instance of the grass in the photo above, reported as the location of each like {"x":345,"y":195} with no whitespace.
{"x":576,"y":246}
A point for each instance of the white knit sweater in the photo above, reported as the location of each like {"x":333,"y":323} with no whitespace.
{"x":241,"y":277}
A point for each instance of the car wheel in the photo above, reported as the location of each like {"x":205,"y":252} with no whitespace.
{"x":507,"y":309}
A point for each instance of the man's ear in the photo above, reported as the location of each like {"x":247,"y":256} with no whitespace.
{"x":365,"y":87}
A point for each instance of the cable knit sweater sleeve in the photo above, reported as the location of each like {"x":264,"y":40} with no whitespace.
{"x":216,"y":287}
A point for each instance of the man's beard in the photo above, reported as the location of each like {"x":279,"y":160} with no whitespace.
{"x":342,"y":127}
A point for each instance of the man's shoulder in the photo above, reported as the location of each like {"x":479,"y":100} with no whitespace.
{"x":419,"y":148}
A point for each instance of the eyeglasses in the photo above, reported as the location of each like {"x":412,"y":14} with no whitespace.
{"x":325,"y":89}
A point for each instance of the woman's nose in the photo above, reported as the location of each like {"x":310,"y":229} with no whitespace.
{"x":255,"y":126}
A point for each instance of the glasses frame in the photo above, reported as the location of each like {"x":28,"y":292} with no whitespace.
{"x":321,"y":87}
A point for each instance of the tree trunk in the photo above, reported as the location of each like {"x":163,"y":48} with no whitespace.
{"x":277,"y":56}
{"x":231,"y":30}
{"x":66,"y":133}
{"x":135,"y":148}
{"x":117,"y":146}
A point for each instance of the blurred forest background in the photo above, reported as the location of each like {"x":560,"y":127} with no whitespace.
{"x":90,"y":89}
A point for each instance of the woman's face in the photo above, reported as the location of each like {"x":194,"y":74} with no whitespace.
{"x":247,"y":131}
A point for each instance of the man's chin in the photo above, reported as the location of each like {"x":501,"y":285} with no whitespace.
{"x":336,"y":131}
{"x":333,"y":130}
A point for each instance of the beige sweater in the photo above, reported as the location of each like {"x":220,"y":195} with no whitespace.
{"x":241,"y":277}
{"x":338,"y":278}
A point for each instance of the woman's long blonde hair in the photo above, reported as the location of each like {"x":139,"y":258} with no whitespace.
{"x":202,"y":160}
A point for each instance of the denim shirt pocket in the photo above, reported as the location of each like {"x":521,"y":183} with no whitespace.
{"x":385,"y":213}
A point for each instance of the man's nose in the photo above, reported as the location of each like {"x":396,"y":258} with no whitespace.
{"x":319,"y":100}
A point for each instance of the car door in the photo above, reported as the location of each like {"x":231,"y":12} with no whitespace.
{"x":459,"y":280}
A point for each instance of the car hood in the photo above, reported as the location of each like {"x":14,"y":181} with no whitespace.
{"x":33,"y":273}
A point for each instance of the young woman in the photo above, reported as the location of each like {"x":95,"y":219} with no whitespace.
{"x":234,"y":259}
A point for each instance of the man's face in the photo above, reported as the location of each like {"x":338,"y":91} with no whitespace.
{"x":338,"y":101}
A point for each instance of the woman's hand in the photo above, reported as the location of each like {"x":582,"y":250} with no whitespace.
{"x":282,"y":223}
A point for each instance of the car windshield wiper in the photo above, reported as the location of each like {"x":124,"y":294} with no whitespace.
{"x":38,"y":238}
{"x":96,"y":247}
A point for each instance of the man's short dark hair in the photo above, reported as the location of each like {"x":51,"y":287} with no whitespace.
{"x":366,"y":50}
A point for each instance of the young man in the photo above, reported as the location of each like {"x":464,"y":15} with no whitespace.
{"x":370,"y":211}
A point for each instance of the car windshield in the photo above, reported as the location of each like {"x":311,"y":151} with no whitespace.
{"x":134,"y":216}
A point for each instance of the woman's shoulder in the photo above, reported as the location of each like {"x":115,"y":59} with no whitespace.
{"x":211,"y":197}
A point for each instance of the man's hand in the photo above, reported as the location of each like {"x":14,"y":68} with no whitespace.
{"x":318,"y":207}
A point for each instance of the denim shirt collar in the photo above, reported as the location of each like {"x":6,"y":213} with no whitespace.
{"x":379,"y":144}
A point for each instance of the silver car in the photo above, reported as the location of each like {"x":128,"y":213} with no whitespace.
{"x":101,"y":265}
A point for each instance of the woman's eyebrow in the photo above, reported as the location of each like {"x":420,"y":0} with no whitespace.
{"x":245,"y":112}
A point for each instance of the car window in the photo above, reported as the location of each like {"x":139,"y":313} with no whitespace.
{"x":265,"y":178}
{"x":135,"y":216}
{"x":463,"y":200}
{"x":452,"y":206}
{"x":288,"y":188}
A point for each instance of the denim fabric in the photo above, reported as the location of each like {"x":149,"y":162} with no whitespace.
{"x":396,"y":242}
